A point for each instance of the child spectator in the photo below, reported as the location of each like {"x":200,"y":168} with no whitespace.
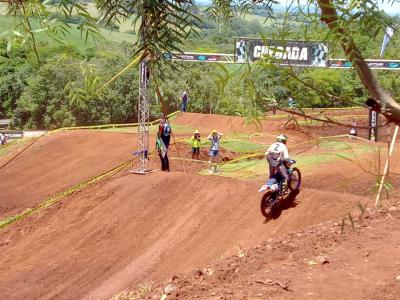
{"x":214,"y":137}
{"x":195,"y":145}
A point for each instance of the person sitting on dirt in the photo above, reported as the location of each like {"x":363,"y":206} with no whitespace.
{"x":276,"y":154}
{"x":195,"y":139}
{"x":214,"y":137}
{"x":353,"y":129}
{"x":3,"y":139}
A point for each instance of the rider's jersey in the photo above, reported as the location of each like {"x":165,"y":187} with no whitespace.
{"x":277,"y":151}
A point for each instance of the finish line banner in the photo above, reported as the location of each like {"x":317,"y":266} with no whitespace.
{"x":376,"y":64}
{"x":296,"y":53}
{"x":198,"y":57}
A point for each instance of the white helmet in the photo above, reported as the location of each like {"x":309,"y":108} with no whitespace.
{"x":282,"y":138}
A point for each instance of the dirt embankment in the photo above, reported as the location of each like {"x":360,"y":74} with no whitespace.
{"x":132,"y":228}
{"x":322,"y":262}
{"x":57,"y":162}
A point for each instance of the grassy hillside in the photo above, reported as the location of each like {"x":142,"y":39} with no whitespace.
{"x":74,"y":36}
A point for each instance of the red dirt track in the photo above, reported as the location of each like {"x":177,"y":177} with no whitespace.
{"x":57,"y":162}
{"x":128,"y":228}
{"x":131,"y":228}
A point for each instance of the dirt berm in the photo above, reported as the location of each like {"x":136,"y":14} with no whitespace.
{"x":123,"y":231}
{"x":57,"y":162}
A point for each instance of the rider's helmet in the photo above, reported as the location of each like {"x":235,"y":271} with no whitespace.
{"x":196,"y":131}
{"x":282,"y":138}
{"x":214,"y":131}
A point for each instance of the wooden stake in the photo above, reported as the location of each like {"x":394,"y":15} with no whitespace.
{"x":176,"y":145}
{"x":386,"y":165}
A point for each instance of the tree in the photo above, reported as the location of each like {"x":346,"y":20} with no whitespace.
{"x":161,"y":32}
{"x":384,"y":103}
{"x":164,"y":26}
{"x":33,"y":17}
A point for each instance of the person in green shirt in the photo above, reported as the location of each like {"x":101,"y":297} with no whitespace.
{"x":195,"y":145}
{"x":162,"y":153}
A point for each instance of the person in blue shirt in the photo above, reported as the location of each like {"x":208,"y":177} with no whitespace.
{"x":164,"y":134}
{"x":185,"y":99}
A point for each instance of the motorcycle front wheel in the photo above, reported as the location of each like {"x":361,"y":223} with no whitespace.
{"x":294,"y":180}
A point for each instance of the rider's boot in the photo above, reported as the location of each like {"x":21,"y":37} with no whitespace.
{"x":284,"y":184}
{"x":210,"y":167}
{"x":215,"y":169}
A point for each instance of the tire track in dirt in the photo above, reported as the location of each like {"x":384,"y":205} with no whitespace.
{"x":134,"y":228}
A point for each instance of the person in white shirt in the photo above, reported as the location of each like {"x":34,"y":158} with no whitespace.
{"x":275,"y":155}
{"x":3,"y":139}
{"x":215,"y":138}
{"x":353,"y":129}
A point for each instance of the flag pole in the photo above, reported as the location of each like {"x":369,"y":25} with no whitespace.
{"x":378,"y":195}
{"x":386,"y":38}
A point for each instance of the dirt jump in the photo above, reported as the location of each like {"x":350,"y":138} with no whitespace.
{"x":128,"y":229}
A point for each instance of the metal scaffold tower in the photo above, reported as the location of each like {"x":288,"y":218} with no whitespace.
{"x":143,"y":119}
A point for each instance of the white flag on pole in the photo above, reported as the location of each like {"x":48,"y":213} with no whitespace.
{"x":388,"y":34}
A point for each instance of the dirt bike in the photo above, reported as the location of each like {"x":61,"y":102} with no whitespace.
{"x":275,"y":190}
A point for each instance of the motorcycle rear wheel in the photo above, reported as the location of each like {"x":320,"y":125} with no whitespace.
{"x":266,"y":205}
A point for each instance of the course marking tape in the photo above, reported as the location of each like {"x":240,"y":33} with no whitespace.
{"x":50,"y":201}
{"x":110,"y":125}
{"x":257,"y":154}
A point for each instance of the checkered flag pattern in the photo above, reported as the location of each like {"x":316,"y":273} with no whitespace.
{"x":320,"y":55}
{"x":241,"y":55}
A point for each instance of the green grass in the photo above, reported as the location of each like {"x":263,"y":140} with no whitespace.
{"x":241,"y":146}
{"x":3,"y":9}
{"x":243,"y":169}
{"x":7,"y":148}
{"x":335,"y":151}
{"x":258,"y":18}
{"x":238,"y":143}
{"x":335,"y":145}
{"x":334,"y":118}
{"x":182,"y":128}
{"x":73,"y":37}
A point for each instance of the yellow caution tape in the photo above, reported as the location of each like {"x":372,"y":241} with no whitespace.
{"x":59,"y":196}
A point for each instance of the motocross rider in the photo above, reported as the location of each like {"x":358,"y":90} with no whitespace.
{"x":275,"y":155}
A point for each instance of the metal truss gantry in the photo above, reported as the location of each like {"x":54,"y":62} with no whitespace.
{"x":143,"y":118}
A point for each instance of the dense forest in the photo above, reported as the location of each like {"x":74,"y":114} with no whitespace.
{"x":62,"y":84}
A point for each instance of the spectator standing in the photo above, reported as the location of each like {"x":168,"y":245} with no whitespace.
{"x":195,"y":139}
{"x":185,"y":98}
{"x":214,"y":138}
{"x":162,"y":142}
{"x":162,"y":152}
